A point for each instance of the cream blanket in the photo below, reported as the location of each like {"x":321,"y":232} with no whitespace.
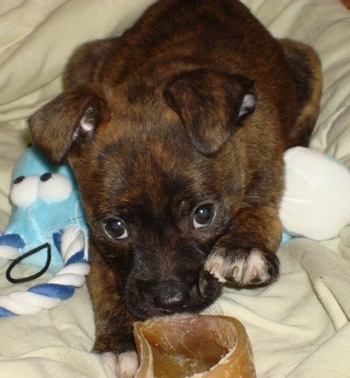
{"x":298,"y":326}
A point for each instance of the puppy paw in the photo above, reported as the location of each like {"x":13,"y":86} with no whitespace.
{"x":243,"y":267}
{"x":123,"y":365}
{"x":112,"y":361}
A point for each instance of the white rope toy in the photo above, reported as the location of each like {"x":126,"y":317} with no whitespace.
{"x":60,"y":287}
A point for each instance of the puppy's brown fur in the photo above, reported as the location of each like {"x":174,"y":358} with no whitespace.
{"x":176,"y":132}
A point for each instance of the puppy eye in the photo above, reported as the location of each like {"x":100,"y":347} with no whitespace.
{"x":115,"y":228}
{"x":203,"y":215}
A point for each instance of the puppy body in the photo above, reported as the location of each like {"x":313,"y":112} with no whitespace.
{"x":176,"y":132}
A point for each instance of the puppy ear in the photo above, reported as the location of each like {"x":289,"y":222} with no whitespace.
{"x":210,"y":104}
{"x":69,"y":120}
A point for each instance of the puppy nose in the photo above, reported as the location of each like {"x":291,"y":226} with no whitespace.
{"x":171,"y":298}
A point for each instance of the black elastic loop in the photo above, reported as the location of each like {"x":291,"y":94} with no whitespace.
{"x":24,"y":256}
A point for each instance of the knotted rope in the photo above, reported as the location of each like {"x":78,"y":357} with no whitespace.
{"x":61,"y":286}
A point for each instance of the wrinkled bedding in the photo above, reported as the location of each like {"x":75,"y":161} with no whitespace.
{"x":299,"y":326}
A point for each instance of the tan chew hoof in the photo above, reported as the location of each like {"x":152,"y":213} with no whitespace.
{"x":193,"y":346}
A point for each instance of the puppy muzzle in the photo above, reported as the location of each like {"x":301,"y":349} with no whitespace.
{"x":165,"y":297}
{"x":171,"y":297}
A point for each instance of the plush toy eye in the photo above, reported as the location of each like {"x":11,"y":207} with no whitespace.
{"x":24,"y":190}
{"x":115,"y":228}
{"x":203,"y":215}
{"x":54,"y":187}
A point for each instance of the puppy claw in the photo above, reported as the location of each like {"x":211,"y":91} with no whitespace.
{"x":215,"y":267}
{"x":123,"y":365}
{"x":235,"y":272}
{"x":243,"y":269}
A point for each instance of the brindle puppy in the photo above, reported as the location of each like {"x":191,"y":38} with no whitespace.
{"x":176,"y":132}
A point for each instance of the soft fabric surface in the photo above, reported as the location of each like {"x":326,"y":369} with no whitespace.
{"x":298,"y":326}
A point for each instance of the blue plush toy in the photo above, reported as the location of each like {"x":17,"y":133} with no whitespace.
{"x":46,"y":229}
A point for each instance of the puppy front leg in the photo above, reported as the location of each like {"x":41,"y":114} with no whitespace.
{"x":114,"y":324}
{"x":114,"y":340}
{"x":246,"y":255}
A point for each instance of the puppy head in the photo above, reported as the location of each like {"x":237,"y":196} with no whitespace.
{"x":159,"y":178}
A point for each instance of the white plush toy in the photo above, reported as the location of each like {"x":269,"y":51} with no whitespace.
{"x":316,"y":202}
